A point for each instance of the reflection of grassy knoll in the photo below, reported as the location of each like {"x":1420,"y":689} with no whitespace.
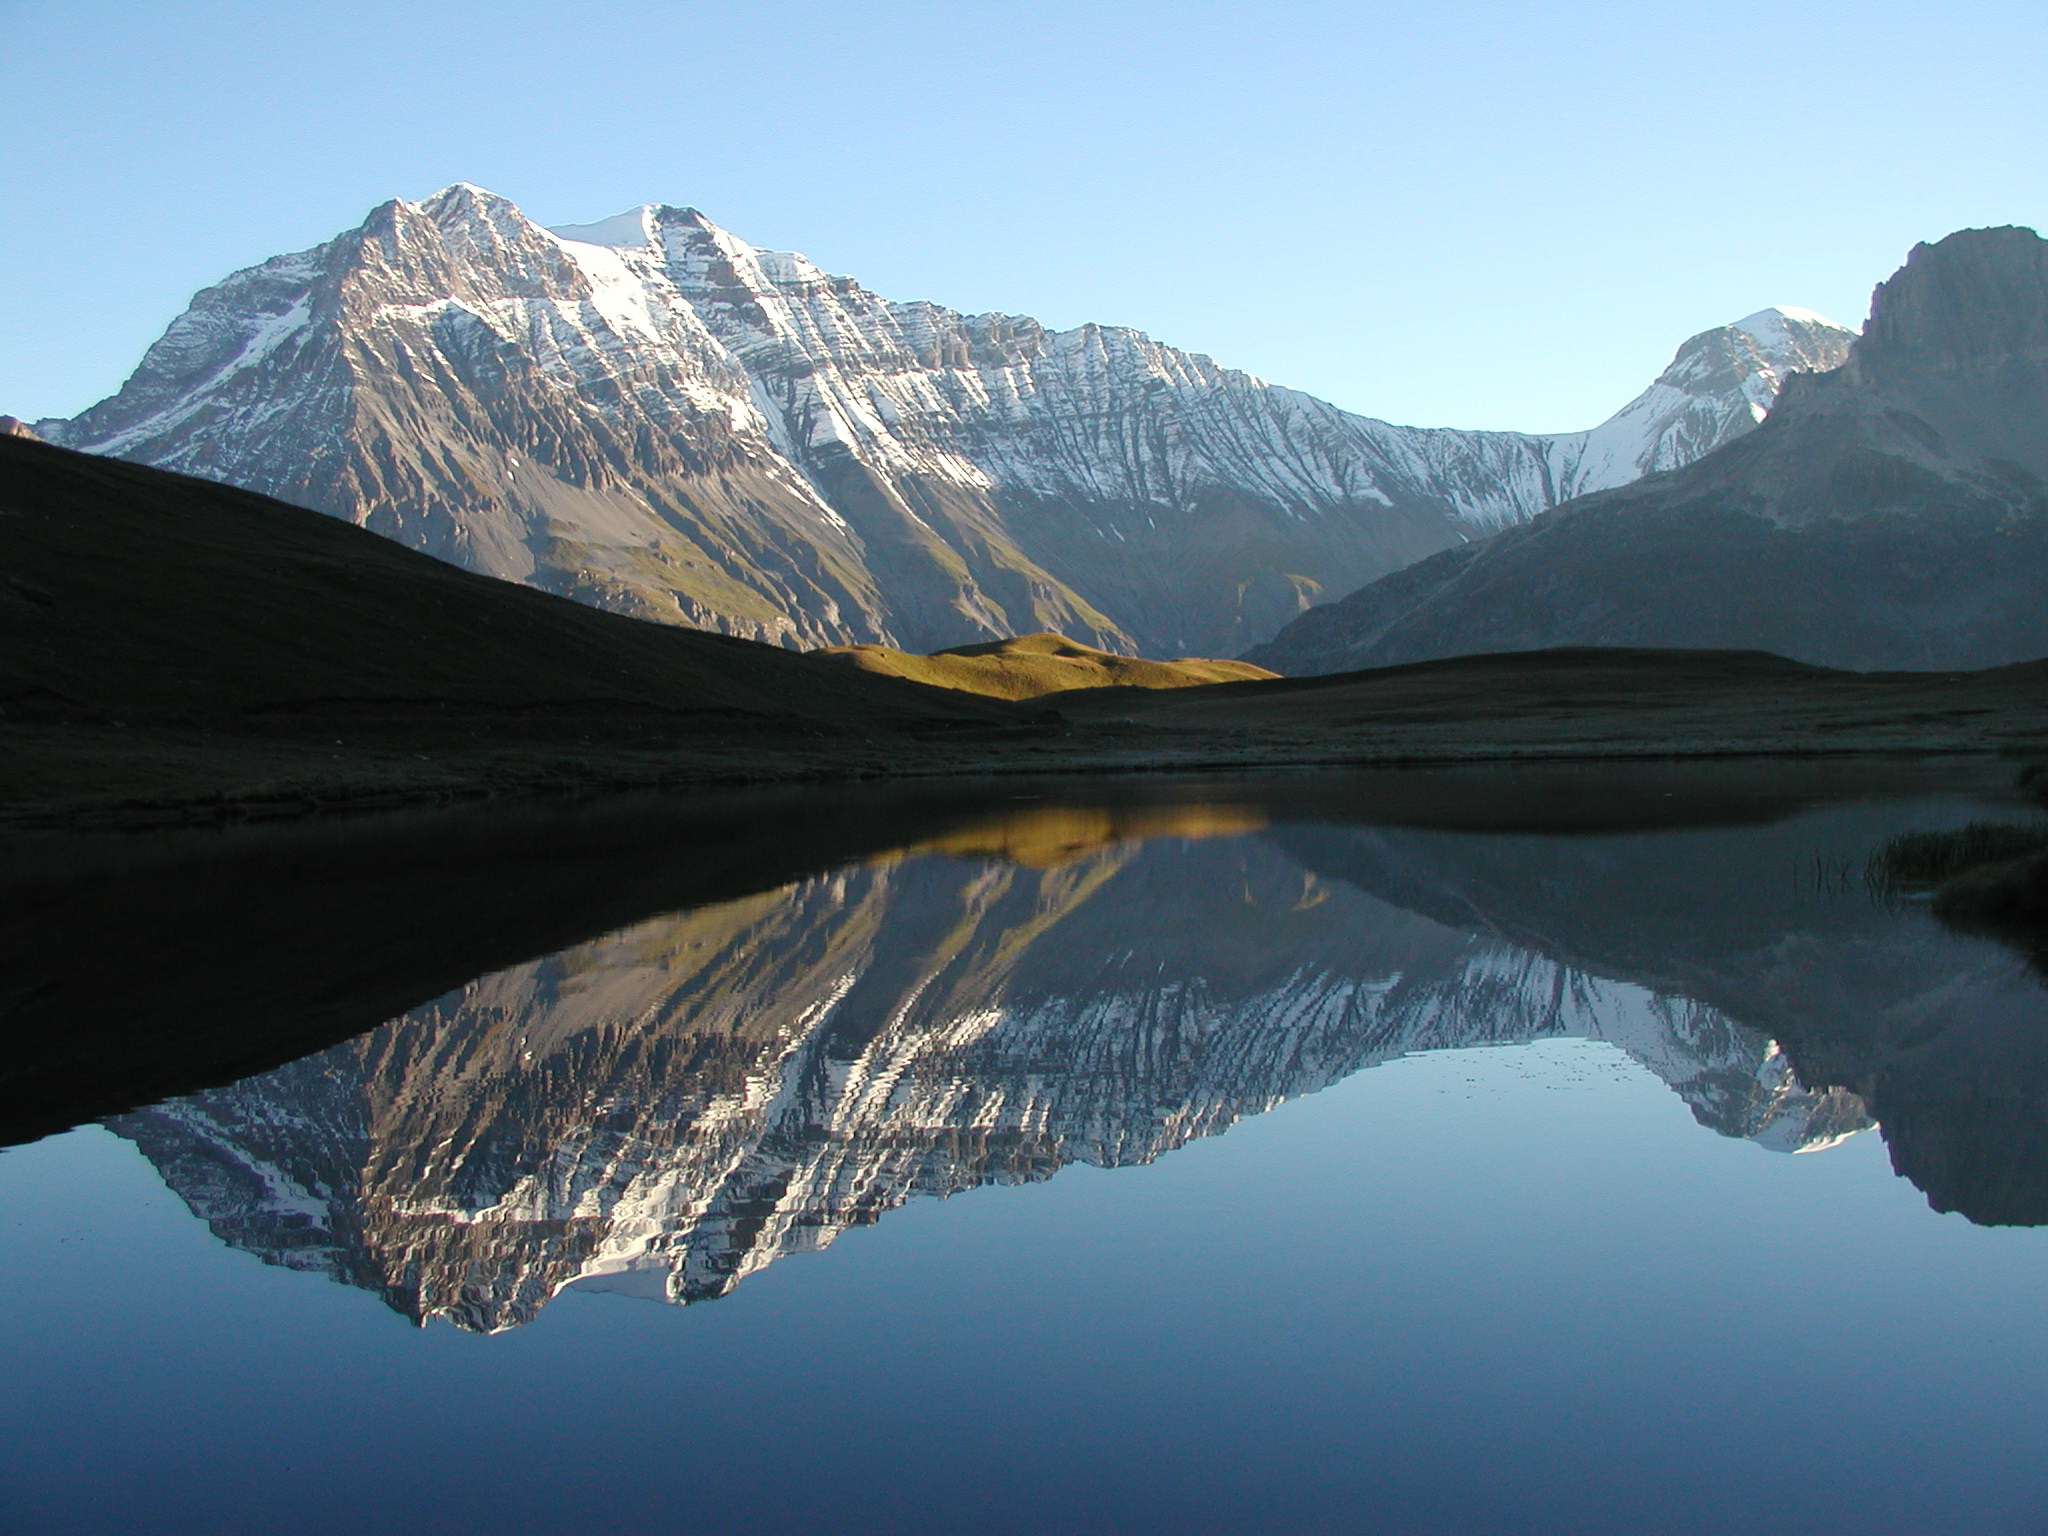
{"x":1046,"y":836}
{"x":1027,"y":666}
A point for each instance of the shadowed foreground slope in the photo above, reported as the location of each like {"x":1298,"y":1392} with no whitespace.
{"x":165,"y":634}
{"x":173,"y":650}
{"x":1596,"y":702}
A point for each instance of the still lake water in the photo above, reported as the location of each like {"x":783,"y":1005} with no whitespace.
{"x":1524,"y":1152}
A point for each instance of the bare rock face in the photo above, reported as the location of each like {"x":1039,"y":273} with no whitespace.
{"x":14,"y":426}
{"x":654,"y":416}
{"x":1890,"y":514}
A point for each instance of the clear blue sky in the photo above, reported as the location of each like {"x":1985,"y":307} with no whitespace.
{"x":1450,"y":214}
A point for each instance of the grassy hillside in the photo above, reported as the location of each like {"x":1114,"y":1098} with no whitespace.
{"x":161,"y":635}
{"x":174,"y":650}
{"x":1030,"y":666}
{"x":125,"y":588}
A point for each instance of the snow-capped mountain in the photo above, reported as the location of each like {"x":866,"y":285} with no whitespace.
{"x":1891,"y":514}
{"x":673,"y":1107}
{"x":652,"y":415}
{"x":1721,"y":384}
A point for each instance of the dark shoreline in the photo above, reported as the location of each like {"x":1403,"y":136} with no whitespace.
{"x":174,"y":651}
{"x":1589,"y":706}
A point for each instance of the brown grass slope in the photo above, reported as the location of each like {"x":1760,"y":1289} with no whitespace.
{"x":1030,"y":666}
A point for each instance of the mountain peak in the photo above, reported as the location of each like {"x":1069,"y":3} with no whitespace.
{"x":1892,"y":512}
{"x":1778,"y":325}
{"x":465,"y":203}
{"x":1773,"y":342}
{"x":1977,"y":298}
{"x":656,"y":415}
{"x":641,"y":226}
{"x":464,"y":194}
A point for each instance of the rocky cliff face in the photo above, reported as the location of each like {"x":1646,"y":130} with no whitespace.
{"x":673,"y":1107}
{"x":1891,"y":514}
{"x":654,"y":416}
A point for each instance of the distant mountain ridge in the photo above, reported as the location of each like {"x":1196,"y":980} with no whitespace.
{"x":1892,"y":514}
{"x":654,"y":416}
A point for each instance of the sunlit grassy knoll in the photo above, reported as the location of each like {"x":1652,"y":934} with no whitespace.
{"x":1029,"y":666}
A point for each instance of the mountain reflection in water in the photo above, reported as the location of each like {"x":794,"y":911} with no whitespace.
{"x":668,"y":1108}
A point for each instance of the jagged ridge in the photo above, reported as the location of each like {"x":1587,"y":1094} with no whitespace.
{"x":654,"y":416}
{"x":1892,"y":514}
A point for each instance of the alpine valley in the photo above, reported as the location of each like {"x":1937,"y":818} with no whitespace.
{"x":654,"y":416}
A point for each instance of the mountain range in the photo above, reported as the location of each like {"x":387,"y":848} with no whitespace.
{"x":1890,"y":514}
{"x":654,"y":416}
